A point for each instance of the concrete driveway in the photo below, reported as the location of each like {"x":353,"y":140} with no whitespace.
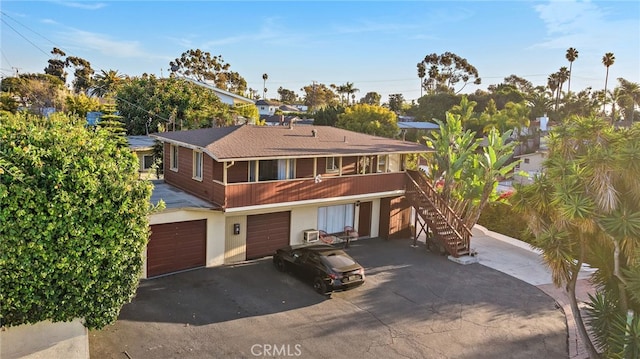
{"x":415,"y":304}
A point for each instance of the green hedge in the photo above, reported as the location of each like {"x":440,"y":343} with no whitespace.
{"x":501,"y":218}
{"x":74,"y":221}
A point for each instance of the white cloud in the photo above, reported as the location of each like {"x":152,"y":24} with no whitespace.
{"x":104,"y":45}
{"x":82,"y":5}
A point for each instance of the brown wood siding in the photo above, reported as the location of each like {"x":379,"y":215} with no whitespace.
{"x":183,"y":178}
{"x":176,"y":246}
{"x":304,"y":168}
{"x":238,"y":173}
{"x":350,"y":165}
{"x":218,"y":170}
{"x":385,"y":209}
{"x":249,"y":194}
{"x":364,"y":219}
{"x":266,"y":233}
{"x":399,"y":218}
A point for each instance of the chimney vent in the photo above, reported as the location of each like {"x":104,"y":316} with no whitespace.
{"x":314,"y":133}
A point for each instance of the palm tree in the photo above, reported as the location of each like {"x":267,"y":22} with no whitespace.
{"x":553,"y":82}
{"x":106,"y":82}
{"x":607,"y":60}
{"x":572,"y":55}
{"x":563,"y":76}
{"x":264,"y":86}
{"x":350,"y":91}
{"x":422,"y":72}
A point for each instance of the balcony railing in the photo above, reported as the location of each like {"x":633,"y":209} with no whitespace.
{"x":271,"y":192}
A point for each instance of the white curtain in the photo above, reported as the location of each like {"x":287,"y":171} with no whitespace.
{"x":282,"y":169}
{"x":333,"y":219}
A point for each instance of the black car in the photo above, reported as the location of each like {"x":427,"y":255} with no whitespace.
{"x":327,"y":267}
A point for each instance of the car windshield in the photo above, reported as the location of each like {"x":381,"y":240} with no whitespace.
{"x":337,"y":260}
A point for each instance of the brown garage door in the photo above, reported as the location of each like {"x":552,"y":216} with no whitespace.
{"x":266,"y":233}
{"x":176,"y":246}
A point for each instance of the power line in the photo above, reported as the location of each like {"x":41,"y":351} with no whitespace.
{"x":22,"y":36}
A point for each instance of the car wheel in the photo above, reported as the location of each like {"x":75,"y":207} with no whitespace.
{"x":279,"y":263}
{"x":320,"y":286}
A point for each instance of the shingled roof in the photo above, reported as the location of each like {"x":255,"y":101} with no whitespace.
{"x":254,"y":142}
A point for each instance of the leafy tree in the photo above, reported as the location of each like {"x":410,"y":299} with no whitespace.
{"x":57,"y":65}
{"x":287,"y":96}
{"x":628,"y":97}
{"x":318,"y":95}
{"x":8,"y":103}
{"x":373,"y":120}
{"x":396,"y":101}
{"x":106,"y":83}
{"x":247,"y":111}
{"x":148,"y":104}
{"x":572,"y":55}
{"x":81,"y":104}
{"x":435,"y":106}
{"x":39,"y":91}
{"x":371,"y":98}
{"x":585,"y":208}
{"x":74,"y":222}
{"x":467,"y":173}
{"x":203,"y":67}
{"x":446,"y":71}
{"x":328,"y":116}
{"x":113,"y":124}
{"x":83,"y":73}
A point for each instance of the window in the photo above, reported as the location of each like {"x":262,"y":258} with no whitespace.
{"x":197,"y":165}
{"x":286,"y":169}
{"x":333,"y":219}
{"x":174,"y":157}
{"x":147,"y":162}
{"x":332,"y":164}
{"x":382,"y":163}
{"x":526,"y":160}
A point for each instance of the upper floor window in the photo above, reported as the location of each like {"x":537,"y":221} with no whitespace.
{"x":333,"y":164}
{"x":174,"y":157}
{"x":382,"y":163}
{"x":197,"y":165}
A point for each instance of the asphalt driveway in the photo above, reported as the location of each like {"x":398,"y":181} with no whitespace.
{"x":415,"y":304}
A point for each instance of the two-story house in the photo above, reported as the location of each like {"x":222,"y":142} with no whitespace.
{"x":257,"y":188}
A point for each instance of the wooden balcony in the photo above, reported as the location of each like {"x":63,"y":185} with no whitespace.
{"x":260,"y":193}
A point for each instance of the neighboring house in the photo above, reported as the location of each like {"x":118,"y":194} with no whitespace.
{"x":227,"y":97}
{"x":266,"y":107}
{"x":279,"y":120}
{"x":531,"y":164}
{"x":288,"y":109}
{"x":142,"y":147}
{"x":239,"y":193}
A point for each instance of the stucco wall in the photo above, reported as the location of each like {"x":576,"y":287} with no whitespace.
{"x":45,"y":340}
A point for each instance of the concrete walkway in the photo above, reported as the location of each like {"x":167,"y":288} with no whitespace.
{"x":520,"y":260}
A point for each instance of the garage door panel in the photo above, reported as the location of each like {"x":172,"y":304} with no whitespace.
{"x":266,"y":233}
{"x":176,"y":246}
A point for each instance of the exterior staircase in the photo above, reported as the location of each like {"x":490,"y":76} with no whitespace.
{"x":448,"y":229}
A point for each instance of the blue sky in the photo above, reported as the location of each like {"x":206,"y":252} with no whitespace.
{"x":373,"y":44}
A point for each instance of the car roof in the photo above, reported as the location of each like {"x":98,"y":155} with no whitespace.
{"x":320,"y":248}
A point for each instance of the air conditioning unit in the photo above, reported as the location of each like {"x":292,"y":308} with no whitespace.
{"x":311,"y":236}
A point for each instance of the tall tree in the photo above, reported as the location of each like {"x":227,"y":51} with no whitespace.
{"x":446,"y":71}
{"x":561,"y":76}
{"x":318,"y":95}
{"x":203,"y":67}
{"x":287,"y":96}
{"x":83,"y":73}
{"x":585,"y":208}
{"x":57,"y":65}
{"x":350,"y":91}
{"x":105,"y":83}
{"x":422,"y":72}
{"x":396,"y":101}
{"x":572,"y":55}
{"x":607,"y":60}
{"x":264,"y":85}
{"x":371,"y":98}
{"x":629,"y":98}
